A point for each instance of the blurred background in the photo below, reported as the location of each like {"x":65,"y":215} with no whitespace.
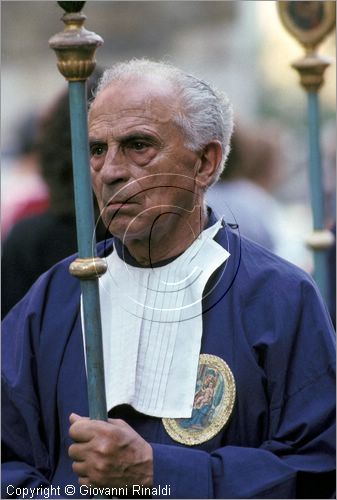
{"x":240,"y":46}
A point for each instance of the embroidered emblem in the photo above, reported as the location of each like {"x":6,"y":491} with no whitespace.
{"x":213,"y":403}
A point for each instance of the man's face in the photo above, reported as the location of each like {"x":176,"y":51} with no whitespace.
{"x":143,"y":175}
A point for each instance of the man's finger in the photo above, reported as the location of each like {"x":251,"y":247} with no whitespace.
{"x":82,"y":430}
{"x":84,"y":481}
{"x":74,"y":417}
{"x":80,"y":469}
{"x":77,"y":452}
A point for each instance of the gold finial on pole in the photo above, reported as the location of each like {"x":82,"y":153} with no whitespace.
{"x":311,"y":68}
{"x":75,"y":47}
{"x":309,"y":22}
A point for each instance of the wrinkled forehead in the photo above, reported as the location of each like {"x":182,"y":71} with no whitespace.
{"x":152,"y":97}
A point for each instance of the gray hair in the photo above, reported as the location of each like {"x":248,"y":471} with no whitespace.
{"x":205,"y":115}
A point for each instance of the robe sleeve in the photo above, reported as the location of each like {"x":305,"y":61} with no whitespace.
{"x":297,"y":460}
{"x":25,"y":455}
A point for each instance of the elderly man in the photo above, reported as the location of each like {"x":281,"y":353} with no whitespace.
{"x":219,"y":356}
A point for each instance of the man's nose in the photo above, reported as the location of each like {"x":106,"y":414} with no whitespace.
{"x":115,"y":168}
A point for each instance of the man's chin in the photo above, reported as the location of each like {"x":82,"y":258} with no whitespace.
{"x":127,"y":231}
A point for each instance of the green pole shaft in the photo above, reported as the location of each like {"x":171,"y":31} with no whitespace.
{"x":316,"y":190}
{"x":87,"y":248}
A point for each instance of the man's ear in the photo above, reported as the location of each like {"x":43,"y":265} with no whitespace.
{"x":210,"y":160}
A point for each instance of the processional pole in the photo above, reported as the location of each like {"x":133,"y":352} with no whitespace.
{"x":310,"y":22}
{"x":75,"y":50}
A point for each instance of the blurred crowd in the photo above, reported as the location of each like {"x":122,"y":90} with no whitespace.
{"x":38,"y":212}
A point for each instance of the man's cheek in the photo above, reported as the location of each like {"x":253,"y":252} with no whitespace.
{"x":97,"y":189}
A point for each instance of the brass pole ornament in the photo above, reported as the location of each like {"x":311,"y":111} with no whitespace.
{"x":88,"y":269}
{"x":320,"y":240}
{"x":75,"y":47}
{"x":309,"y":22}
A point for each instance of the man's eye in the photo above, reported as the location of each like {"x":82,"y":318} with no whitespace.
{"x":138,"y":145}
{"x":97,"y":150}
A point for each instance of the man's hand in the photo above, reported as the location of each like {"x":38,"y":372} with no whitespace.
{"x":109,"y":454}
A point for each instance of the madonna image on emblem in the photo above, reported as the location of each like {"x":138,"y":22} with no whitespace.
{"x":210,"y":387}
{"x":212,"y":406}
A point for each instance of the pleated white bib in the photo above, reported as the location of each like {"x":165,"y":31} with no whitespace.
{"x":152,"y":328}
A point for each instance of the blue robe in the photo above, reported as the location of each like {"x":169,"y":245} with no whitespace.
{"x":265,"y":318}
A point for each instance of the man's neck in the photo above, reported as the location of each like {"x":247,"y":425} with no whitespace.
{"x":172,"y":236}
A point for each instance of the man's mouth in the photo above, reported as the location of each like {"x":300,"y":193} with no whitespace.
{"x":118,"y":204}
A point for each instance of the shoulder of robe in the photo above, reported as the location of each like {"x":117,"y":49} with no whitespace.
{"x":260,"y":272}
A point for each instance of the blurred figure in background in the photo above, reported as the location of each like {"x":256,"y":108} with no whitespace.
{"x":37,"y":242}
{"x":23,"y":191}
{"x":242,"y":193}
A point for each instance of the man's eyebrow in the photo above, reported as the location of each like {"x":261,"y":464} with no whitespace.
{"x":136,"y":135}
{"x":127,"y":137}
{"x":95,"y":140}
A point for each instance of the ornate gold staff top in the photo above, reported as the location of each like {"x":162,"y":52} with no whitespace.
{"x":310,"y":22}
